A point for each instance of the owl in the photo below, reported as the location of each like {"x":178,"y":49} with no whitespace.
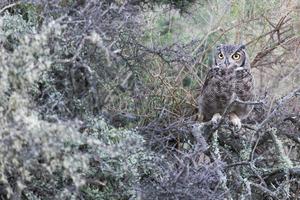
{"x":228,"y":79}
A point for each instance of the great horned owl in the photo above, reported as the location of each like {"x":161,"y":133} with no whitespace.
{"x":230,"y":77}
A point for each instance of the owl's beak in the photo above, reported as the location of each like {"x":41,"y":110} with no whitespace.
{"x":226,"y":62}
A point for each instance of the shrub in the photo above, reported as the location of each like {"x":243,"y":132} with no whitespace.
{"x":45,"y":160}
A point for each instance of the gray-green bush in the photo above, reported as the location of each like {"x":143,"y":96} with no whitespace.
{"x":45,"y":159}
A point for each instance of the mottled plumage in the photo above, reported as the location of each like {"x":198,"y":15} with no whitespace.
{"x":229,"y":77}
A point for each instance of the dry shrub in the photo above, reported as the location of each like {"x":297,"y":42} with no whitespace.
{"x":262,"y":159}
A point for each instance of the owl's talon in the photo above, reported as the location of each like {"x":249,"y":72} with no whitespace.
{"x":216,"y":118}
{"x":235,"y":121}
{"x":237,"y":125}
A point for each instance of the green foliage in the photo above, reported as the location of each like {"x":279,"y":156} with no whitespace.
{"x":29,"y":12}
{"x":181,"y":5}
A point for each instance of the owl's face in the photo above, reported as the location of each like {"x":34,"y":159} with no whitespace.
{"x":230,"y":56}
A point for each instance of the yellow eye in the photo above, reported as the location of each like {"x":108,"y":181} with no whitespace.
{"x":220,"y":55}
{"x":236,"y":56}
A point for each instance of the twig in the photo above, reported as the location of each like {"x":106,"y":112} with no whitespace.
{"x":280,"y":103}
{"x":264,"y":190}
{"x":8,"y":6}
{"x":237,"y":164}
{"x":284,"y":161}
{"x":249,"y":102}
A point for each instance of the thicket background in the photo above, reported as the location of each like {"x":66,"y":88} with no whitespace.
{"x":98,"y":100}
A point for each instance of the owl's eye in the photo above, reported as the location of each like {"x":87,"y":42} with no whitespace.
{"x":236,"y":56}
{"x":220,"y":55}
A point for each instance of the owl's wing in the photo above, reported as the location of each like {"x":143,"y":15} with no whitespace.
{"x":244,"y":85}
{"x":205,"y":96}
{"x":210,"y":74}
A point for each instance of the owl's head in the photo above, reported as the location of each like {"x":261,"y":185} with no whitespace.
{"x":231,"y":56}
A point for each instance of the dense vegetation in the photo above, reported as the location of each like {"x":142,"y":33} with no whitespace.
{"x":98,"y":100}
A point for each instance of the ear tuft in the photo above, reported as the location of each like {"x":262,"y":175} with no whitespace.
{"x":219,"y":46}
{"x":242,"y":46}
